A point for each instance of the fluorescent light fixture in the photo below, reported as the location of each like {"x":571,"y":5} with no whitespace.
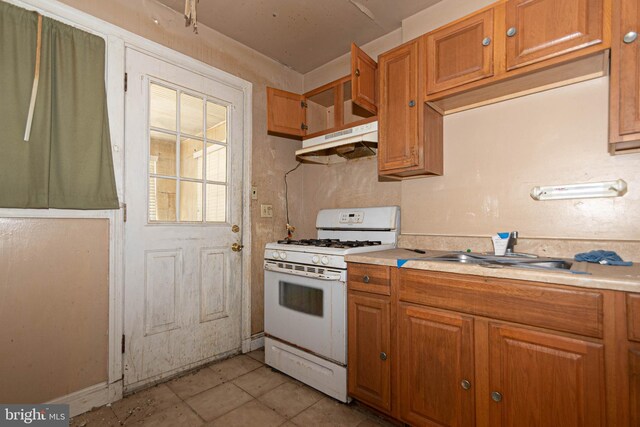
{"x":580,"y":191}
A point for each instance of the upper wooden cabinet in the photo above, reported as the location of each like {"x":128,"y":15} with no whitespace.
{"x":364,"y":80}
{"x":461,"y":52}
{"x":409,"y":132}
{"x":285,"y":113}
{"x":342,"y":103}
{"x":541,"y":29}
{"x":514,"y":48}
{"x":624,"y":128}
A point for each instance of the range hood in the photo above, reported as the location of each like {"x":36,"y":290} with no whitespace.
{"x":352,"y":143}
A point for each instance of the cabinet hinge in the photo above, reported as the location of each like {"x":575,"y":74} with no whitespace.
{"x":303,"y":104}
{"x":126,"y":79}
{"x":122,"y":343}
{"x":124,"y":212}
{"x":303,"y":126}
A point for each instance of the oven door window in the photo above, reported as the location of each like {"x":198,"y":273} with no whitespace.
{"x":300,"y":298}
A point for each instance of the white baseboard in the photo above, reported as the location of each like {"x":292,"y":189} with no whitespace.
{"x":255,"y":342}
{"x":91,"y":397}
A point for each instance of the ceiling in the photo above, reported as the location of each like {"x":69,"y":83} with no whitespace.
{"x":303,"y":34}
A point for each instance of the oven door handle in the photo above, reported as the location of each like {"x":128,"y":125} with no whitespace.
{"x":320,"y":276}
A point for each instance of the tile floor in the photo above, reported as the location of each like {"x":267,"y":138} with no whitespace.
{"x":240,"y":391}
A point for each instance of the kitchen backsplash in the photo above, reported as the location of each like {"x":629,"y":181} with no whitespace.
{"x":629,"y":250}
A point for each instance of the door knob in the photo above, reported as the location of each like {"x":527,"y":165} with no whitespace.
{"x":357,"y":72}
{"x":630,"y":37}
{"x":412,"y":103}
{"x":495,"y":396}
{"x":237,"y":247}
{"x":512,"y":32}
{"x":383,"y":356}
{"x":486,"y":41}
{"x":465,"y":384}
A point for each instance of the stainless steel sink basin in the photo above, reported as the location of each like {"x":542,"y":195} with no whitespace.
{"x":504,"y":261}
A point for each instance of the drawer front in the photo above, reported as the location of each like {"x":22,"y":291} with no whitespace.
{"x":633,"y":316}
{"x":375,"y":279}
{"x":536,"y":304}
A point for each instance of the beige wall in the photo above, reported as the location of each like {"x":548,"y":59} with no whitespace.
{"x":272,"y":156}
{"x":493,"y":156}
{"x":54,"y":307}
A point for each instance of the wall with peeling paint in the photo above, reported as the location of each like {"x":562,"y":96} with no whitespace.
{"x":493,"y":156}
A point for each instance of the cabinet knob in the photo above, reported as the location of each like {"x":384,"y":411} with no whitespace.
{"x":630,"y":37}
{"x":383,"y":356}
{"x":486,"y":41}
{"x":465,"y":384}
{"x":366,"y":279}
{"x":357,"y":72}
{"x":495,"y":396}
{"x":512,"y":32}
{"x":412,"y":103}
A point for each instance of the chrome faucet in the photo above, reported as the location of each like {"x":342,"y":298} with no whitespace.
{"x":513,"y":240}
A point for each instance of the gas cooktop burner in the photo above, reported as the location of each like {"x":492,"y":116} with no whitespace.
{"x":331,"y":243}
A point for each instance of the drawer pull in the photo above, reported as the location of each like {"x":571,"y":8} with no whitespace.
{"x":366,"y":279}
{"x":512,"y":32}
{"x":486,"y":41}
{"x":495,"y":396}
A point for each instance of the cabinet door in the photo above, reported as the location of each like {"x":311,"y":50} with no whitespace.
{"x":543,"y":29}
{"x":363,"y":80}
{"x":460,"y":53}
{"x":435,"y":367}
{"x":625,"y":77}
{"x":398,"y":119}
{"x":285,"y":113}
{"x":369,"y":350}
{"x":544,"y":380}
{"x":634,"y":386}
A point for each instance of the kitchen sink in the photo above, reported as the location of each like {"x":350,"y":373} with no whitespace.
{"x":503,"y":261}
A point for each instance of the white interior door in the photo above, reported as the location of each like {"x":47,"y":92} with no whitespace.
{"x":183,"y":189}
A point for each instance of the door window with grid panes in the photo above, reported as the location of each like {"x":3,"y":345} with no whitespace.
{"x":187,"y":156}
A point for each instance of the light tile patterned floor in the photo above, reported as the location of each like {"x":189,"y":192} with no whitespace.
{"x":240,"y":391}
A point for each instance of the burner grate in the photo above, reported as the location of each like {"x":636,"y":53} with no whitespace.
{"x":331,"y":243}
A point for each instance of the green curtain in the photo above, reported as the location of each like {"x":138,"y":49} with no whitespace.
{"x":67,"y":162}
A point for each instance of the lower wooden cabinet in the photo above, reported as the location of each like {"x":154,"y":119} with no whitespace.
{"x":435,"y":367}
{"x":634,"y":385}
{"x":465,"y":361}
{"x":542,"y":379}
{"x":370,"y":349}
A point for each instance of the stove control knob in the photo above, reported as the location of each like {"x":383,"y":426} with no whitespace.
{"x":283,"y":255}
{"x":325,"y":260}
{"x":315,"y":259}
{"x":275,"y":254}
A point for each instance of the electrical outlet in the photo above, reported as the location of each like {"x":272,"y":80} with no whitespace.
{"x":254,"y":193}
{"x":266,"y":211}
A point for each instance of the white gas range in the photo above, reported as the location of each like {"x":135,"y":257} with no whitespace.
{"x":305,"y":294}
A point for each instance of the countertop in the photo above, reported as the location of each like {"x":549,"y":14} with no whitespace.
{"x":598,"y":277}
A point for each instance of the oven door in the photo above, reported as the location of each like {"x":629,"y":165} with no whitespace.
{"x":307,"y":312}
